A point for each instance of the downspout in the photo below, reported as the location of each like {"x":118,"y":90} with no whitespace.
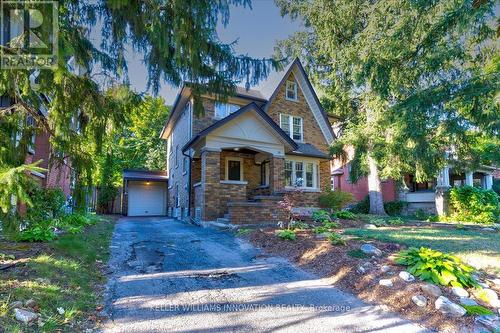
{"x":189,"y":184}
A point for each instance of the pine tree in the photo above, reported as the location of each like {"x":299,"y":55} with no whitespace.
{"x":409,"y":79}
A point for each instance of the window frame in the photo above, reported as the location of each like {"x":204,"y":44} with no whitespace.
{"x":227,"y":110}
{"x":264,"y":173}
{"x":289,"y":131}
{"x":295,"y":90}
{"x":234,"y":159}
{"x":305,"y":163}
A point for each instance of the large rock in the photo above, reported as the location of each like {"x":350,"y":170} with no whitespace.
{"x":16,"y":304}
{"x":25,"y":316}
{"x":386,"y":282}
{"x":467,"y":301}
{"x":491,"y":322}
{"x":370,"y":250}
{"x":489,"y":296}
{"x":31,"y":303}
{"x":431,"y":290}
{"x":459,"y":291}
{"x":419,"y":300}
{"x":405,"y":276}
{"x":446,"y":306}
{"x":385,"y":268}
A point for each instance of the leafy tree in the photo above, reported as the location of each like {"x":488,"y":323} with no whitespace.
{"x":82,"y":91}
{"x":410,"y":80}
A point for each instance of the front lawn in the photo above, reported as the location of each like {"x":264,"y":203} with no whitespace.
{"x":65,"y":274}
{"x":479,"y":248}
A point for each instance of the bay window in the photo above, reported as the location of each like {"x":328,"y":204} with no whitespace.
{"x":292,"y":126}
{"x":302,"y":174}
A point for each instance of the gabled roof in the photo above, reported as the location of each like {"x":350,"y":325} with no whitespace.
{"x":248,"y":108}
{"x":326,"y":128}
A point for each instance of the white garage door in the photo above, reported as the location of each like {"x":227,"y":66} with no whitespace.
{"x":146,"y":198}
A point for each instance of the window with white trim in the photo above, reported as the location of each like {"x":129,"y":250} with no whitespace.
{"x":293,"y":126}
{"x":291,"y":91}
{"x":222,"y":110}
{"x":302,"y":174}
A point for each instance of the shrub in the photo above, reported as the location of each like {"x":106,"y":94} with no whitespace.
{"x":477,"y":310}
{"x":320,"y":216}
{"x":335,"y":200}
{"x":55,"y":201}
{"x":421,"y":214}
{"x":286,"y":234}
{"x":46,"y":204}
{"x":361,"y":207}
{"x":345,"y":215}
{"x":336,"y":239}
{"x":78,"y":220}
{"x":320,"y":230}
{"x":394,"y":208}
{"x":38,"y":233}
{"x":378,"y":221}
{"x":396,"y":221}
{"x":436,"y":267}
{"x":472,"y":204}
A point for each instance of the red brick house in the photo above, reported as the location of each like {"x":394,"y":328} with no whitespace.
{"x":235,"y":162}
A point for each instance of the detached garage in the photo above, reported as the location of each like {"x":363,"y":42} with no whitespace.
{"x":145,"y":193}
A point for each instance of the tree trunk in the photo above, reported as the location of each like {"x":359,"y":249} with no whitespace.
{"x":375,"y":188}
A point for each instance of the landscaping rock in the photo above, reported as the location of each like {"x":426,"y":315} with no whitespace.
{"x":361,"y":270}
{"x":487,"y":229}
{"x":496,"y":282}
{"x":370,"y":226}
{"x":16,"y":304}
{"x":60,"y":311}
{"x":31,"y":303}
{"x":370,"y":249}
{"x":446,"y":306}
{"x":431,"y":290}
{"x":405,"y":276}
{"x":321,"y":236}
{"x":386,"y":282}
{"x":491,"y":322}
{"x":483,"y":284}
{"x":25,"y":316}
{"x":489,"y":296}
{"x":459,"y":291}
{"x":419,"y":300}
{"x":385,"y":268}
{"x":467,"y":301}
{"x":364,"y":268}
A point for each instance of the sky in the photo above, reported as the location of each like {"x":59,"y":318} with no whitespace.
{"x":256,"y":31}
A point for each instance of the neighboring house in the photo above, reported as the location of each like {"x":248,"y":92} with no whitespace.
{"x":56,"y":175}
{"x":237,"y":160}
{"x":426,"y":196}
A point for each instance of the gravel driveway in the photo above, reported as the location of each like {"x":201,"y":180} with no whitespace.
{"x":169,"y":276}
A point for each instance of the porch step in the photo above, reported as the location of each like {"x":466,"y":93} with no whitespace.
{"x":224,"y":220}
{"x":227,"y":216}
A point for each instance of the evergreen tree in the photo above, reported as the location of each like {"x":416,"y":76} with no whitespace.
{"x":179,"y":42}
{"x":409,"y":79}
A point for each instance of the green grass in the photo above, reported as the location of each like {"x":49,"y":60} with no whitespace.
{"x":479,"y":249}
{"x":64,"y":275}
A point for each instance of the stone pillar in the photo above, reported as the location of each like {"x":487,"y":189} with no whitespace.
{"x":276,"y":174}
{"x":442,"y":196}
{"x":210,"y":181}
{"x":469,"y":179}
{"x":488,"y":181}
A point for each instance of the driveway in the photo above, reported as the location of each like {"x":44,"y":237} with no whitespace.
{"x":169,"y":276}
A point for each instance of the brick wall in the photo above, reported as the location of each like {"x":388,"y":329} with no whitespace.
{"x":299,"y":108}
{"x":261,"y":212}
{"x":210,"y":181}
{"x":230,"y":193}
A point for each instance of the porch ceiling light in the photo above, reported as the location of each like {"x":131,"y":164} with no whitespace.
{"x":236,"y":149}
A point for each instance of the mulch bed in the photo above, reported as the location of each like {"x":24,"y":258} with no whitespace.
{"x":338,"y":265}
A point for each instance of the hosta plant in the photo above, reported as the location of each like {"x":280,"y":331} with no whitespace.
{"x":320,"y":216}
{"x":336,"y":239}
{"x":345,"y":215}
{"x":38,"y":233}
{"x":437,"y":267}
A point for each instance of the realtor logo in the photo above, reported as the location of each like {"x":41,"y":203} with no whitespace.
{"x":29,"y":35}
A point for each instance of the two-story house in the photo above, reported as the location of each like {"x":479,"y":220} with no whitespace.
{"x":237,"y":160}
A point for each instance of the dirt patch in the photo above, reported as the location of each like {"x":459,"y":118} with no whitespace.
{"x":339,"y":264}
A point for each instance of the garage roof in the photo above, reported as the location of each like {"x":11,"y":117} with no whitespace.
{"x":134,"y":174}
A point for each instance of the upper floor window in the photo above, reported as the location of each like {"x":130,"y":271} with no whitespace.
{"x":293,"y":126}
{"x":291,"y":90}
{"x":223,"y":110}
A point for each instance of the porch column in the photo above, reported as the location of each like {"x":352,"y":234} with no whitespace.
{"x":210,"y":180}
{"x":469,"y":179}
{"x":488,"y":181}
{"x":442,"y":196}
{"x":277,"y":174}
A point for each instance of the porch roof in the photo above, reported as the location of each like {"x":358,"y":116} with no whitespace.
{"x":248,"y":108}
{"x":307,"y":149}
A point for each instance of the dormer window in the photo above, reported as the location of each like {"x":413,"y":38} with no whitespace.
{"x":291,"y":90}
{"x":222,"y":110}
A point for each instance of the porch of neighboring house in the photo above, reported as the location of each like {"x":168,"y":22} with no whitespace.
{"x":237,"y":185}
{"x":430,"y":196}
